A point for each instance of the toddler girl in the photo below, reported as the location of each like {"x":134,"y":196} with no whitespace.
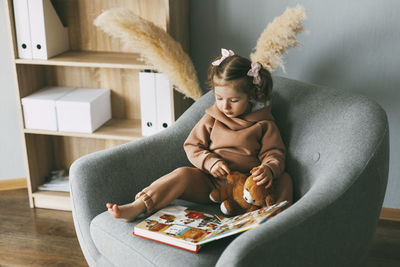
{"x":237,"y":133}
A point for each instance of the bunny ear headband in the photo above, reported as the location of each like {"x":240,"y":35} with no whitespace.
{"x":253,"y":72}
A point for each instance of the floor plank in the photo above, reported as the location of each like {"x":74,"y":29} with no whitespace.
{"x":386,"y":245}
{"x":36,"y":237}
{"x":40,"y":237}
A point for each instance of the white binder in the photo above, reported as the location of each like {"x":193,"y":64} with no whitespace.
{"x":22,"y":28}
{"x":48,"y":34}
{"x":165,"y":102}
{"x":148,"y":103}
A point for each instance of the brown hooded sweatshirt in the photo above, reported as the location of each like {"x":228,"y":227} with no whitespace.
{"x":243,"y":142}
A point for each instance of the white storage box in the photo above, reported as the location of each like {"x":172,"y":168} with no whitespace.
{"x":40,"y":108}
{"x":83,"y":110}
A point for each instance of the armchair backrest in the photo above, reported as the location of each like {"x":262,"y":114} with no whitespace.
{"x":330,"y":134}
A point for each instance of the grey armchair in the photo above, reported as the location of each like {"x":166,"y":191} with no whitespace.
{"x":337,"y":156}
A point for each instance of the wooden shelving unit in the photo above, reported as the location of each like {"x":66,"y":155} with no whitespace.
{"x":94,"y":61}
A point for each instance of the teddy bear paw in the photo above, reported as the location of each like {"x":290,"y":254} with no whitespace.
{"x":212,"y":199}
{"x":224,"y":209}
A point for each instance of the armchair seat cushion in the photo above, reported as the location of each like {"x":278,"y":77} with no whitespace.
{"x":114,"y":239}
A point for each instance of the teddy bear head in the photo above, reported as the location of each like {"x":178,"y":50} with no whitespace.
{"x":254,"y":194}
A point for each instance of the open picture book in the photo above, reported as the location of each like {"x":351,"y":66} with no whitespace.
{"x":189,"y":229}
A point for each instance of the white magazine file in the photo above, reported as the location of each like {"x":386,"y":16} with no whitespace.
{"x":148,"y":103}
{"x":48,"y":35}
{"x":22,"y":28}
{"x":165,"y":102}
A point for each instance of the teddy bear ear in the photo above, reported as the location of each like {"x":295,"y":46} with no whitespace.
{"x":231,"y":177}
{"x":236,"y":176}
{"x":252,"y":180}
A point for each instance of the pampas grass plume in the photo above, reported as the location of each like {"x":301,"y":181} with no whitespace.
{"x":155,"y":45}
{"x":278,"y":36}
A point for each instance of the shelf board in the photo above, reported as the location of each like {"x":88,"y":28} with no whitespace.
{"x":92,"y":59}
{"x":114,"y":129}
{"x":52,"y":200}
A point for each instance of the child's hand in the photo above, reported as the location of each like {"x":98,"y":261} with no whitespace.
{"x":262,"y":174}
{"x":220,"y":169}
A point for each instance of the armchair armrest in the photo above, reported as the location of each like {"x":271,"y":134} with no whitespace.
{"x":117,"y":174}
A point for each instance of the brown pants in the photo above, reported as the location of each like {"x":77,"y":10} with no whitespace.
{"x":195,"y":185}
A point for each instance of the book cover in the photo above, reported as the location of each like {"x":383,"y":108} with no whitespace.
{"x":189,"y":229}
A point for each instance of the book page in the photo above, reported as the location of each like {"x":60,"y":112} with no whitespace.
{"x":181,"y":223}
{"x":241,"y":223}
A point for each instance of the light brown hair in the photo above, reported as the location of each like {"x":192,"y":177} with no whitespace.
{"x":235,"y":68}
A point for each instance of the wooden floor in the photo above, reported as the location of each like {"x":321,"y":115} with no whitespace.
{"x":40,"y":237}
{"x":36,"y":237}
{"x":385,"y":250}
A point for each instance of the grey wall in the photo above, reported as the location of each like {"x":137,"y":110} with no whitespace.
{"x":353,"y":45}
{"x":11,"y":155}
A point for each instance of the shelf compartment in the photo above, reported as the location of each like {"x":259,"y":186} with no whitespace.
{"x":78,"y":16}
{"x":92,"y":59}
{"x":51,"y":152}
{"x":114,"y":129}
{"x":123,"y":83}
{"x":46,"y":153}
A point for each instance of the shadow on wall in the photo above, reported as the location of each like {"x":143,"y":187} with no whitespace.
{"x":364,"y":61}
{"x":203,"y":19}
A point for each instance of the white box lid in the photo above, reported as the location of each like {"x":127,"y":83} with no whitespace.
{"x":49,"y":93}
{"x":84,"y":95}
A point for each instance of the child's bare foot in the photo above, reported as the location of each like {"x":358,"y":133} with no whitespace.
{"x":127,"y":212}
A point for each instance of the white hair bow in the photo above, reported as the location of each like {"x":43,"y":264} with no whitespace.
{"x":254,"y":72}
{"x":224,"y":54}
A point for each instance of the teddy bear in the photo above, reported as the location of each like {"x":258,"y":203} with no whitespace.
{"x":242,"y":194}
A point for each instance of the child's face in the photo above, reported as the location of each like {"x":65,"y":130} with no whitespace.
{"x":230,"y":101}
